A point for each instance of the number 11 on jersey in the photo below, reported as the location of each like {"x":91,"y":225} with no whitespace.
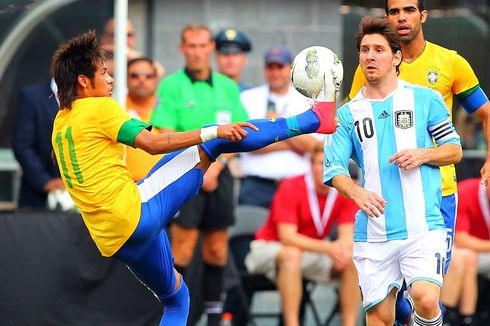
{"x":72,"y":155}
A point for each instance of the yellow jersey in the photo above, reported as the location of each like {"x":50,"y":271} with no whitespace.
{"x":138,"y":161}
{"x":88,"y":141}
{"x":443,"y":70}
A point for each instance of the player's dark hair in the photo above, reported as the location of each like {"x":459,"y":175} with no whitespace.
{"x":421,"y":4}
{"x":79,"y":56}
{"x":375,"y":25}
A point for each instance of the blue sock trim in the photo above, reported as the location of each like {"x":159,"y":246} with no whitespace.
{"x":307,"y":122}
{"x":176,"y":306}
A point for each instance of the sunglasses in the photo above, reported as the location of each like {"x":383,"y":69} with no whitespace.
{"x":129,"y":34}
{"x":147,"y":75}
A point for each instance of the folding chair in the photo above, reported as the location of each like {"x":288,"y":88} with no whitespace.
{"x":248,"y":220}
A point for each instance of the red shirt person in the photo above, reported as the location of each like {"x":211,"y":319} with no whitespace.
{"x":291,"y":244}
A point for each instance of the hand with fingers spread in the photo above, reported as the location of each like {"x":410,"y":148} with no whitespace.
{"x":234,"y":131}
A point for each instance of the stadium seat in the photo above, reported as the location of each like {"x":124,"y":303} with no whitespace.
{"x":248,"y":220}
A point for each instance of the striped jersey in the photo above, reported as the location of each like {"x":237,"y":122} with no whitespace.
{"x":370,"y":132}
{"x":447,"y":72}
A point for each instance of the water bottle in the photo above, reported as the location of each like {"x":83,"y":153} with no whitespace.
{"x":226,"y":319}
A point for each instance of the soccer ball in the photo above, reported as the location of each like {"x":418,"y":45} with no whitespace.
{"x":317,"y":72}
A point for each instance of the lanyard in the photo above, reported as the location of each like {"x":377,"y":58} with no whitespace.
{"x":319,"y":221}
{"x":272,"y":103}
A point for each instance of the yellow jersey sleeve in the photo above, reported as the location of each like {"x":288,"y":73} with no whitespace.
{"x":110,"y":118}
{"x":358,"y":82}
{"x":464,"y":76}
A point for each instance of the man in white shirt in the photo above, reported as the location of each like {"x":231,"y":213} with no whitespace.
{"x":263,"y":169}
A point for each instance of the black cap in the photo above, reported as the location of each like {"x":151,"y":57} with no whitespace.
{"x":230,"y":41}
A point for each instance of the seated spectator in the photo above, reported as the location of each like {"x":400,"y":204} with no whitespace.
{"x":471,"y":253}
{"x":107,"y":43}
{"x":291,"y":244}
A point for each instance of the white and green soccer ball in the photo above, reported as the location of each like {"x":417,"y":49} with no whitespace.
{"x":317,"y":72}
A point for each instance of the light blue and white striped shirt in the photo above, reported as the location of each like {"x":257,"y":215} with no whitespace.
{"x":370,"y":132}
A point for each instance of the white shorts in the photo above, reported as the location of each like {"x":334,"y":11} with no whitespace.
{"x":381,"y":266}
{"x":484,"y":263}
{"x":262,"y":259}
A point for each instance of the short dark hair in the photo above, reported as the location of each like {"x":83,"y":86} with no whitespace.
{"x":142,"y":59}
{"x":79,"y":56}
{"x":421,"y":5}
{"x":375,"y":25}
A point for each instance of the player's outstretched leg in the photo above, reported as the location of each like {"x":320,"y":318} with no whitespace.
{"x":270,"y":131}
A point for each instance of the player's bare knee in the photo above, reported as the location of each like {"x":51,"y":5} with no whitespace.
{"x":379,"y":318}
{"x":183,"y":253}
{"x":215,"y":253}
{"x":471,"y":262}
{"x":426,"y":301}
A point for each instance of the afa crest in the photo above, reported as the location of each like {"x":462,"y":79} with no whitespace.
{"x":404,"y":119}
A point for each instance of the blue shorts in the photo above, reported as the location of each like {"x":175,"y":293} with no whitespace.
{"x":171,"y":182}
{"x":449,"y":206}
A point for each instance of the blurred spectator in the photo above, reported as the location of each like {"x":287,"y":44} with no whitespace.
{"x":142,"y":83}
{"x":107,"y":43}
{"x":291,"y":244}
{"x":189,"y":99}
{"x":471,"y":130}
{"x":107,"y":36}
{"x":472,"y":251}
{"x":263,"y":169}
{"x":232,"y":47}
{"x":33,"y":119}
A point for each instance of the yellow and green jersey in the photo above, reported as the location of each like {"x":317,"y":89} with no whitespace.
{"x":88,"y":142}
{"x":444,"y":71}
